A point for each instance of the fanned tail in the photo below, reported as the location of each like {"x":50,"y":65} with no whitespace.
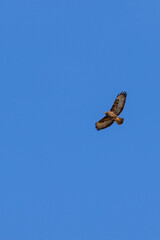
{"x":119,"y":120}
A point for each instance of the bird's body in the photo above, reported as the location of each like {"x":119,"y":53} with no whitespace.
{"x":112,"y":115}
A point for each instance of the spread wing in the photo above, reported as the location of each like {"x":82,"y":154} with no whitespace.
{"x":104,"y":123}
{"x":119,"y":103}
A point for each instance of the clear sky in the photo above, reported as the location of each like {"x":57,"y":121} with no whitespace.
{"x":62,"y":65}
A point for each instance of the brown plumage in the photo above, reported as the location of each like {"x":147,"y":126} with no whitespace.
{"x":112,"y":115}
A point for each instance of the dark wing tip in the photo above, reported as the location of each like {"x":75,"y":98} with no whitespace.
{"x":123,"y":93}
{"x":96,"y":127}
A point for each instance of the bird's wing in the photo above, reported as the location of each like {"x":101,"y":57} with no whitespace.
{"x":104,"y":123}
{"x":119,"y":103}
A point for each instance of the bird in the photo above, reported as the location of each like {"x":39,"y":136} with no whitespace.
{"x":114,"y":112}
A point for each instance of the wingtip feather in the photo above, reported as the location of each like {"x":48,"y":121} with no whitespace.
{"x":96,"y":127}
{"x":123,"y":93}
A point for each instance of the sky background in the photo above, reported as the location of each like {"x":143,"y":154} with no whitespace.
{"x":62,"y":65}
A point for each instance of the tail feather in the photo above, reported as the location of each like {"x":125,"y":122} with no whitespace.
{"x":119,"y":120}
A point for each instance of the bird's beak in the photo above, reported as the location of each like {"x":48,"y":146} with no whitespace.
{"x":106,"y":113}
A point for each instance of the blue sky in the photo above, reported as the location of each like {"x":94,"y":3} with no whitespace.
{"x":62,"y":65}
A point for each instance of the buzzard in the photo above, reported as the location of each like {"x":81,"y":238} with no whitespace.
{"x":112,"y":115}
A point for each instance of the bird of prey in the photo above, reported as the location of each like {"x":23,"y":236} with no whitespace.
{"x":112,"y":115}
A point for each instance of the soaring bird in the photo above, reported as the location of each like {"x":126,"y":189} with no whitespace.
{"x":112,"y":115}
